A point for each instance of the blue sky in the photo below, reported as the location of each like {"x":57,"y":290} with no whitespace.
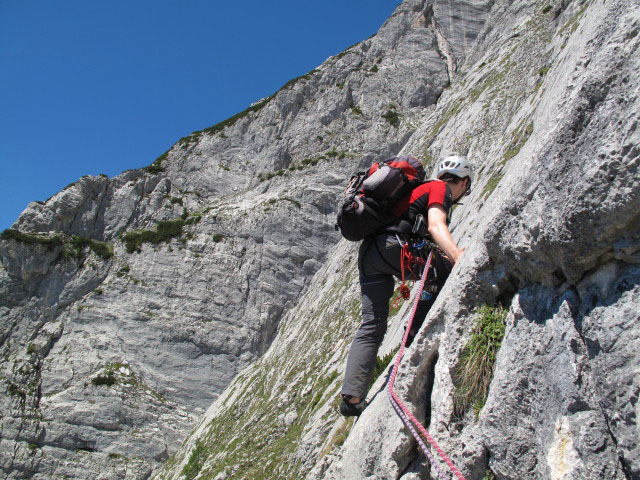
{"x":102,"y":87}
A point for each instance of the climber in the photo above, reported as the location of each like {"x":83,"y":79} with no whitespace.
{"x":379,"y":260}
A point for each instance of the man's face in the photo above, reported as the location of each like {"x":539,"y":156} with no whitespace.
{"x":458,"y":189}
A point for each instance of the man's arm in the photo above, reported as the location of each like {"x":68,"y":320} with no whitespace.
{"x":437,"y":220}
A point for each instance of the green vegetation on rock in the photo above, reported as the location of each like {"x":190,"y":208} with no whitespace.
{"x":475,"y":370}
{"x":156,"y":166}
{"x":306,"y":163}
{"x":383,"y":362}
{"x":196,"y":461}
{"x":256,"y":107}
{"x":33,"y":238}
{"x":489,"y":475}
{"x":100,"y":380}
{"x":72,"y":246}
{"x":102,"y":249}
{"x":258,"y":436}
{"x":491,"y":185}
{"x":392,"y":117}
{"x":520,"y":137}
{"x":164,"y":231}
{"x":273,"y":201}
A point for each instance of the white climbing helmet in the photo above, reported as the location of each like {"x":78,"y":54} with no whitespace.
{"x":455,"y":165}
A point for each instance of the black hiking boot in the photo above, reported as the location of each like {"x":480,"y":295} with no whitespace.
{"x":348,"y":409}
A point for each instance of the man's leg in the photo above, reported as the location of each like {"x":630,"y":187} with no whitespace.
{"x":376,"y":293}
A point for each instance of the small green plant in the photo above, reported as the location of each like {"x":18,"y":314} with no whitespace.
{"x":340,"y":85}
{"x":106,"y":380}
{"x":333,"y":153}
{"x":218,"y":237}
{"x":156,"y":166}
{"x":123,"y":271}
{"x":383,"y":362}
{"x":339,"y":437}
{"x":310,"y":162}
{"x":196,"y":461}
{"x":392,"y":117}
{"x":15,"y":391}
{"x":293,"y":201}
{"x":395,"y":304}
{"x":475,"y":370}
{"x":489,"y":475}
{"x":374,"y":69}
{"x":108,"y":377}
{"x":547,"y":9}
{"x":219,"y":127}
{"x":573,"y":23}
{"x":154,"y":169}
{"x":343,"y":432}
{"x":269,"y":175}
{"x":356,"y":110}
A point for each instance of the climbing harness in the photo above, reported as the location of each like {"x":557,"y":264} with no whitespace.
{"x":409,"y":260}
{"x":405,"y":415}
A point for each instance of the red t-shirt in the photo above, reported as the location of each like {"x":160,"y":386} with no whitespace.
{"x":422,"y":197}
{"x":418,"y":202}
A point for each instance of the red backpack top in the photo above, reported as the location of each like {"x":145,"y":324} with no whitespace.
{"x":368,"y":201}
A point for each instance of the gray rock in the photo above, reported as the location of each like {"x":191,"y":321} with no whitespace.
{"x":545,"y":103}
{"x":184,"y":316}
{"x":240,"y":325}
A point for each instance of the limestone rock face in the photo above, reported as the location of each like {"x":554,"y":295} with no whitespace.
{"x":211,"y":290}
{"x":128,"y":304}
{"x":545,"y":104}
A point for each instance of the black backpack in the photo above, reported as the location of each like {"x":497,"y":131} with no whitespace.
{"x":368,"y":201}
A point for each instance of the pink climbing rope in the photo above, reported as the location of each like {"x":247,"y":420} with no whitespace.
{"x":395,"y":400}
{"x":424,"y":448}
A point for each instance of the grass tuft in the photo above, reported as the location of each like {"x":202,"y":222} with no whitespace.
{"x":475,"y":370}
{"x":106,"y":380}
{"x":196,"y":461}
{"x":383,"y":362}
{"x":520,"y":137}
{"x":392,"y":117}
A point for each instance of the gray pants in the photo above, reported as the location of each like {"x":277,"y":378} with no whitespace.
{"x":378,"y":263}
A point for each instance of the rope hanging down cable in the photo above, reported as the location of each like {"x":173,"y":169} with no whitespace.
{"x":408,"y":419}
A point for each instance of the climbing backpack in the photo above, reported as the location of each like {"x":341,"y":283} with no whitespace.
{"x":368,"y":201}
